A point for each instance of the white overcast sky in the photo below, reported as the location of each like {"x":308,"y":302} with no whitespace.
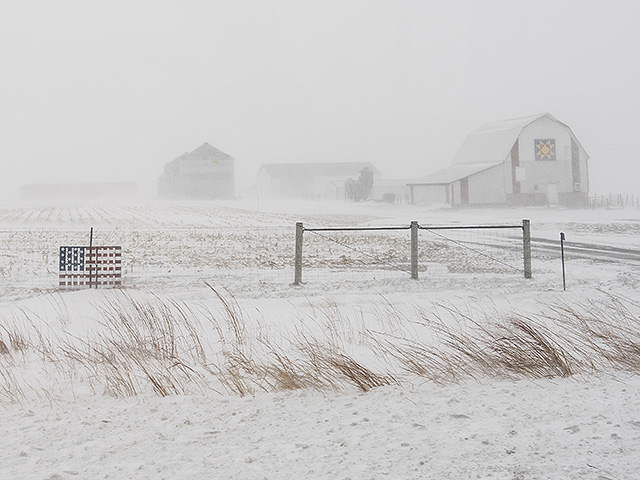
{"x":113,"y":90}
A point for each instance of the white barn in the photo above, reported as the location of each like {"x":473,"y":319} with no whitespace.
{"x":534,"y":160}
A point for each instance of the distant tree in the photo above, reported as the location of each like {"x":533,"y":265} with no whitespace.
{"x":360,"y":190}
{"x":350,"y":188}
{"x":365,"y":183}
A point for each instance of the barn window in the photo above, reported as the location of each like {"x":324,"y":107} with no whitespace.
{"x":545,"y":148}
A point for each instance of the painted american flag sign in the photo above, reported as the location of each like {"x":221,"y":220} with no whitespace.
{"x":89,"y":267}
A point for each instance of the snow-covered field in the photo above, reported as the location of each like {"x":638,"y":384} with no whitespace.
{"x":210,"y":364}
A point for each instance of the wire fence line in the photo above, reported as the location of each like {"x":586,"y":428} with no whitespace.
{"x":477,"y":251}
{"x":614,"y":201}
{"x":360,"y":252}
{"x":151,"y":257}
{"x":412,"y":255}
{"x":154,"y":256}
{"x":263,"y":258}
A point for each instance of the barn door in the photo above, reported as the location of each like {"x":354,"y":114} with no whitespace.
{"x":464,"y":191}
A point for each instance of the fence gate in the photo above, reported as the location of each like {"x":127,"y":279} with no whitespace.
{"x":462,"y":250}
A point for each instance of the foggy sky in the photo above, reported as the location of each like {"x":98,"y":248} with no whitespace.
{"x":113,"y":90}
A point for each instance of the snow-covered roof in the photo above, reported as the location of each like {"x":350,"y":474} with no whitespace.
{"x":208,"y":152}
{"x":203,"y":152}
{"x":484,"y":148}
{"x":392,"y":182}
{"x":335,"y":169}
{"x":452,"y":173}
{"x":492,"y":142}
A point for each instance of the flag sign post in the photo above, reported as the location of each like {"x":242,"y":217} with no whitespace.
{"x":564,"y":281}
{"x":87,"y":267}
{"x":90,"y":251}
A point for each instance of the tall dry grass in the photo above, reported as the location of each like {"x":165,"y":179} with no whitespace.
{"x":161,"y":346}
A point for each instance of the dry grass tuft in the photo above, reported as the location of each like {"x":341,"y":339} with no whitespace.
{"x":525,"y":348}
{"x":335,"y":368}
{"x":169,"y":348}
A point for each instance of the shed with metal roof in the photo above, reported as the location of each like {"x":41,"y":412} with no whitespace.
{"x":310,"y":180}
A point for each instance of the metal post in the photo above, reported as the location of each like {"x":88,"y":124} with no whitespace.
{"x":414,"y":250}
{"x":564,"y":282}
{"x":298,"y":258}
{"x":526,"y":243}
{"x":90,"y":251}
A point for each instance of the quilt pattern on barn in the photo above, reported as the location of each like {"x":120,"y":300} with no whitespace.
{"x":545,"y":149}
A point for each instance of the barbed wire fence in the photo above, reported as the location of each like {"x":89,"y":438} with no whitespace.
{"x":261,"y":260}
{"x":389,"y":252}
{"x":153,"y":258}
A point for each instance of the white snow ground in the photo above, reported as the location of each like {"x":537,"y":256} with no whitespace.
{"x":64,"y":427}
{"x":560,"y":429}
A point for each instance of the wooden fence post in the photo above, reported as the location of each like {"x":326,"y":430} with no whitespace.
{"x":526,"y":241}
{"x":414,"y":250}
{"x":298,"y":258}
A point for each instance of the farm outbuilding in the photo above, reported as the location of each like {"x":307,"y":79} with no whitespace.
{"x":79,"y":191}
{"x":205,"y":173}
{"x":311,"y":180}
{"x":391,"y":191}
{"x":534,"y":160}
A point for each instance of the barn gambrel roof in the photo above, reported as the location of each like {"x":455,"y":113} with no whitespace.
{"x":492,"y":142}
{"x":485,"y":147}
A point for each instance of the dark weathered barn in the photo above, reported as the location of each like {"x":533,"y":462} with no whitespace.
{"x":310,"y":180}
{"x":534,"y":160}
{"x":205,"y":173}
